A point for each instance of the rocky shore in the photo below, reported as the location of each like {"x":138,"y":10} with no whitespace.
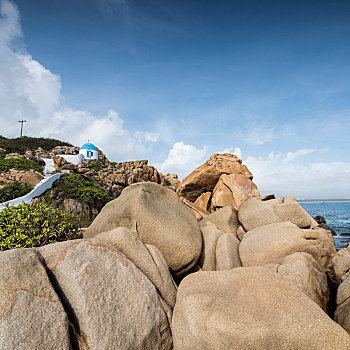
{"x":212,"y":265}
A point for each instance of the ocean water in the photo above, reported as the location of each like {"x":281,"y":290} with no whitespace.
{"x":337,"y":215}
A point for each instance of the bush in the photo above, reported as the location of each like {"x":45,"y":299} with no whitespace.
{"x":14,"y":190}
{"x":21,"y":144}
{"x":19,"y":164}
{"x":35,"y":225}
{"x":95,"y":166}
{"x":77,"y":187}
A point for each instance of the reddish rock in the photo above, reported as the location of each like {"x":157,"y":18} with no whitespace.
{"x":223,"y":176}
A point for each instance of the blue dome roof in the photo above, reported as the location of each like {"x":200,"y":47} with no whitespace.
{"x":88,"y":146}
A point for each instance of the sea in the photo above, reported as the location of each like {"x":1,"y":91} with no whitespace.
{"x":337,"y":215}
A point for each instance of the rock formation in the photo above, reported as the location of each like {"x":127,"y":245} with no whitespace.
{"x":250,"y":271}
{"x":250,"y":308}
{"x":109,"y":292}
{"x":159,"y":218}
{"x":221,"y":181}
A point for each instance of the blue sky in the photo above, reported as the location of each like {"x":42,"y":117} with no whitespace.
{"x":174,"y":82}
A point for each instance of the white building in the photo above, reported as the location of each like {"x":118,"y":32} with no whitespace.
{"x":89,"y":151}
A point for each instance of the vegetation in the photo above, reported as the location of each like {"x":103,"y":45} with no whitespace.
{"x":14,"y":190}
{"x":21,"y":144}
{"x":95,"y":166}
{"x":35,"y":225}
{"x":113,"y":164}
{"x":168,"y":183}
{"x":19,"y":164}
{"x":77,"y":187}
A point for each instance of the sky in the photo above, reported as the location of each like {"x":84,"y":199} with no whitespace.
{"x":176,"y":81}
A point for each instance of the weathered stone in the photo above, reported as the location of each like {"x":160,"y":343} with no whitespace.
{"x":250,"y":308}
{"x":111,"y":302}
{"x":306,"y":273}
{"x":203,"y":200}
{"x":227,"y":252}
{"x":207,"y":260}
{"x":198,"y":212}
{"x":342,"y":313}
{"x":147,"y":259}
{"x":160,"y":219}
{"x":225,"y":219}
{"x":240,"y":232}
{"x":31,"y":314}
{"x":204,"y":178}
{"x":232,"y":190}
{"x":341,"y":262}
{"x":274,"y":241}
{"x":256,"y":212}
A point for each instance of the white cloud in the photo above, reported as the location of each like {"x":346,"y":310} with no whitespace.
{"x":183,"y":159}
{"x":30,"y":91}
{"x":278,"y":174}
{"x":291,"y":156}
{"x":259,"y":136}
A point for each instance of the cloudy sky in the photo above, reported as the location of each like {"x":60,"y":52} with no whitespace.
{"x":175,"y":81}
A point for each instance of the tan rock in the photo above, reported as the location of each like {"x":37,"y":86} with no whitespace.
{"x":148,"y":259}
{"x":159,"y":218}
{"x":232,"y":190}
{"x":240,"y":232}
{"x":31,"y":314}
{"x":204,"y":178}
{"x":341,"y":262}
{"x":198,"y":212}
{"x":31,"y":177}
{"x":250,"y":308}
{"x":306,"y":273}
{"x":112,"y":303}
{"x":342,"y":313}
{"x":203,"y":200}
{"x":274,"y":241}
{"x":225,"y":219}
{"x":207,"y":260}
{"x":227,"y":252}
{"x":256,"y":212}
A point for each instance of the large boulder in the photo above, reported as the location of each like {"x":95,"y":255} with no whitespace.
{"x":306,"y":273}
{"x":227,"y":252}
{"x":114,"y":293}
{"x":341,"y":262}
{"x":250,"y":308}
{"x":274,"y":241}
{"x":159,"y":218}
{"x":199,"y":185}
{"x":256,"y":212}
{"x":342,"y":313}
{"x":203,"y":201}
{"x":32,"y":316}
{"x":232,"y":190}
{"x":225,"y":219}
{"x":211,"y":234}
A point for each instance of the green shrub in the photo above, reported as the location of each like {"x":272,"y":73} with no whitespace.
{"x":35,"y":225}
{"x":113,"y":164}
{"x":21,"y":144}
{"x":77,"y":187}
{"x":19,"y":164}
{"x":95,"y":166}
{"x":168,"y":183}
{"x":14,"y":190}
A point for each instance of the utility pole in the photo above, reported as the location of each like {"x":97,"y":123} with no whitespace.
{"x":22,"y":121}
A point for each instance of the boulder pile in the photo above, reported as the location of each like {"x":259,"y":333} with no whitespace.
{"x":221,"y":181}
{"x":149,"y":275}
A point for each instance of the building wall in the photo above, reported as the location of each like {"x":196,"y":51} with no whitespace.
{"x":89,"y":154}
